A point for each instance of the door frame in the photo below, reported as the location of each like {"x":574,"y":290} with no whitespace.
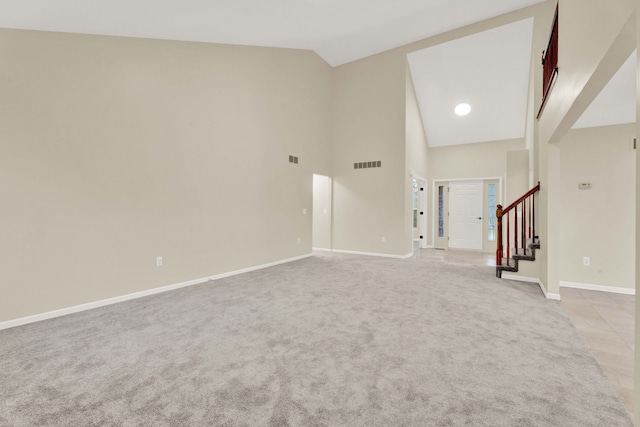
{"x":435,"y":183}
{"x":422,"y":207}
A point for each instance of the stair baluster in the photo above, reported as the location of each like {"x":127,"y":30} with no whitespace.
{"x":499,"y":249}
{"x":525,"y":243}
{"x":515,"y":229}
{"x":523,"y":212}
{"x":508,"y":240}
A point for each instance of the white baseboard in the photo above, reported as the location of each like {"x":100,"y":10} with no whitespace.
{"x":322,"y":249}
{"x":547,"y":295}
{"x":601,"y":288}
{"x":101,"y":303}
{"x":340,"y":251}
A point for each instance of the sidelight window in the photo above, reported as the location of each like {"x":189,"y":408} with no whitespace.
{"x":491,"y":203}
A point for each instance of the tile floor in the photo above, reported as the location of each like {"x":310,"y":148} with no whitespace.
{"x":456,"y":256}
{"x":604,"y":320}
{"x":606,"y":323}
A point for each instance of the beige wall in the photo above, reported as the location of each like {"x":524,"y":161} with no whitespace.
{"x":481,"y":160}
{"x":416,"y":141}
{"x":369,"y":125}
{"x":595,"y":39}
{"x":517,"y":175}
{"x":600,"y":222}
{"x":116,"y":151}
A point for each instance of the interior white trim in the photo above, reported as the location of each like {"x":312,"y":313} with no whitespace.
{"x":547,"y":295}
{"x":321,"y":249}
{"x":601,"y":288}
{"x":423,"y":206}
{"x":340,"y":251}
{"x":101,"y":303}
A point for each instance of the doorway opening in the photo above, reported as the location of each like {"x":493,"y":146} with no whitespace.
{"x":321,"y":212}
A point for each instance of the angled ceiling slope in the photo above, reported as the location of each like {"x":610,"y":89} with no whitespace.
{"x":489,"y":71}
{"x":338,"y":30}
{"x":616,"y":103}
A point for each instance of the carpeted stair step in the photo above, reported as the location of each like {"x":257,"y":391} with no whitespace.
{"x":508,"y":264}
{"x":534,"y":243}
{"x":523,"y":254}
{"x":519,"y":254}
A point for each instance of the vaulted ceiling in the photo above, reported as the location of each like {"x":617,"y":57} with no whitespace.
{"x":339,"y":31}
{"x":489,"y":71}
{"x":616,"y":103}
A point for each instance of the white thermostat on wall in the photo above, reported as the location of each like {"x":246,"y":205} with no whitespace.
{"x":584,"y":186}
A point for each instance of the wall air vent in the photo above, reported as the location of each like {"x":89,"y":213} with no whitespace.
{"x":293,"y":159}
{"x":366,"y":165}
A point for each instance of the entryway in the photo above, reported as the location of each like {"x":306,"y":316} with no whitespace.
{"x":464,"y":213}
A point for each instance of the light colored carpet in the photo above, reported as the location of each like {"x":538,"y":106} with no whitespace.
{"x":333,"y":340}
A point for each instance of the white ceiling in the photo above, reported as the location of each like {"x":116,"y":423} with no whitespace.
{"x":340,"y":31}
{"x":489,"y":71}
{"x":616,"y":103}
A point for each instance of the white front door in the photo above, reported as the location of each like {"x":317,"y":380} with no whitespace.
{"x":465,"y":214}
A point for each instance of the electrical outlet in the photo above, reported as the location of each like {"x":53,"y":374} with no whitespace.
{"x":159,"y":261}
{"x":383,"y":239}
{"x":586,"y":261}
{"x":298,"y":240}
{"x":304,"y":211}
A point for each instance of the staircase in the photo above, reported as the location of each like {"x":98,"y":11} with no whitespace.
{"x":517,"y":226}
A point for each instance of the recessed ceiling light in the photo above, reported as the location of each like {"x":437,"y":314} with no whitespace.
{"x":462,"y":109}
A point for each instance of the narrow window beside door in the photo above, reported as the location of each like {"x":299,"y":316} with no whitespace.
{"x":441,"y":211}
{"x":491,"y":203}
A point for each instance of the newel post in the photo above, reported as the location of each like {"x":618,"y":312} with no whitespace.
{"x":499,"y":235}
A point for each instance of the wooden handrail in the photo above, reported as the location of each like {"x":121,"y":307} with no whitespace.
{"x":552,"y":34}
{"x":549,"y":64}
{"x":517,"y":233}
{"x":527,"y":194}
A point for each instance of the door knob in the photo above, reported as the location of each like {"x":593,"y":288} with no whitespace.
{"x":479,"y":217}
